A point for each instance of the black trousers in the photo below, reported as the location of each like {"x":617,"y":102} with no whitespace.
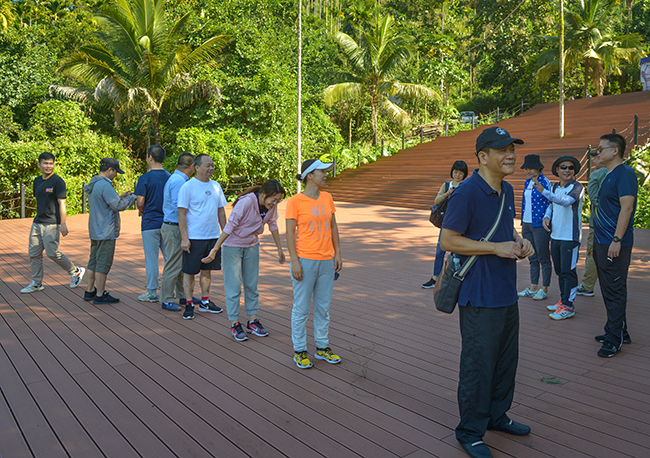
{"x":488,"y":365}
{"x":565,"y":261}
{"x":612,"y":276}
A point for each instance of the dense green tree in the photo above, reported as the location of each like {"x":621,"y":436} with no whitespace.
{"x":593,"y":42}
{"x":139,"y":64}
{"x":375,"y":60}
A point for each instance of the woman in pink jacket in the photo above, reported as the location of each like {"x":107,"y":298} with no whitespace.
{"x":255,"y":207}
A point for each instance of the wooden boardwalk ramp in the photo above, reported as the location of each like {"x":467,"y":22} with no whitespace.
{"x":133,"y":380}
{"x":412,"y":177}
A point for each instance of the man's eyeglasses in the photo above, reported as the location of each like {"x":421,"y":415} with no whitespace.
{"x":564,"y":167}
{"x":600,"y":148}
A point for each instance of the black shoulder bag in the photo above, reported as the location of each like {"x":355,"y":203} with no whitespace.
{"x":438,"y":211}
{"x":447,"y":290}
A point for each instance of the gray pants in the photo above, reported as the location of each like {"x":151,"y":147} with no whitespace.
{"x":540,"y":239}
{"x":240,"y":265}
{"x":152,"y":242}
{"x":46,"y":237}
{"x":317,"y":285}
{"x":172,"y":277}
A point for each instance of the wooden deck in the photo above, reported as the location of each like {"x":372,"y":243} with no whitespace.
{"x":133,"y":380}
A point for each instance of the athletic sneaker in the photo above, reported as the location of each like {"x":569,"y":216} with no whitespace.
{"x":255,"y":327}
{"x":608,"y":350}
{"x":90,"y":295}
{"x":430,"y":284}
{"x":562,"y":313}
{"x":32,"y":288}
{"x":75,"y":278}
{"x":326,"y":355}
{"x":238,"y":333}
{"x":540,"y":295}
{"x":584,"y":292}
{"x":626,"y":338}
{"x":188,"y":314}
{"x":553,"y":308}
{"x":148,"y":297}
{"x":209,"y":307}
{"x":105,"y":299}
{"x":526,"y":293}
{"x":171,"y":306}
{"x":301,"y":359}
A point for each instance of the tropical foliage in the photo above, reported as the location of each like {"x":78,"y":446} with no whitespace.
{"x":375,"y":60}
{"x":139,"y":65}
{"x":592,"y":41}
{"x":142,"y":70}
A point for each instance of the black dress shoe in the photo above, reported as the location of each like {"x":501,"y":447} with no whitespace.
{"x":477,"y":449}
{"x":514,"y":428}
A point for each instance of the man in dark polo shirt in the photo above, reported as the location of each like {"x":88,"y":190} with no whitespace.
{"x":489,"y":314}
{"x":613,"y":240}
{"x":149,"y":200}
{"x":50,"y":221}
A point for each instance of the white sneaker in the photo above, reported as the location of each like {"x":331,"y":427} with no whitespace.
{"x":554,"y":307}
{"x":540,"y":295}
{"x":526,"y":293}
{"x":148,"y":297}
{"x":75,"y":279}
{"x":562,"y":313}
{"x":32,"y":288}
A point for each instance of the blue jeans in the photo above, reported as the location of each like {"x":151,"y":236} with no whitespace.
{"x":440,"y":260}
{"x":317,"y":284}
{"x":152,"y":242}
{"x":240,"y":265}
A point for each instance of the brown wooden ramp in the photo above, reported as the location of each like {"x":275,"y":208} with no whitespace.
{"x":412,"y":177}
{"x":132,"y":380}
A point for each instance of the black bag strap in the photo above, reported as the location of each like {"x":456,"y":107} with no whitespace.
{"x":470,"y":261}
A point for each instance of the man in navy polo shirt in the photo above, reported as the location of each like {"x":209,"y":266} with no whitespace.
{"x":489,"y":315}
{"x":149,"y":200}
{"x":613,"y":240}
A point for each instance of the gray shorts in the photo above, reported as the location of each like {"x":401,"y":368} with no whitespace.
{"x":101,"y":255}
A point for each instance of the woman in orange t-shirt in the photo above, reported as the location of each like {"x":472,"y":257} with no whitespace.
{"x":314,"y":247}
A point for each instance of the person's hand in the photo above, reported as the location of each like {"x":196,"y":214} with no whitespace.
{"x":281,"y":258}
{"x":296,"y":270}
{"x":64,"y":229}
{"x":209,"y":258}
{"x":338,"y":263}
{"x":510,"y":250}
{"x":526,"y":248}
{"x":614,"y":250}
{"x":185,"y":245}
{"x":546,"y":224}
{"x":126,"y":194}
{"x":450,"y":191}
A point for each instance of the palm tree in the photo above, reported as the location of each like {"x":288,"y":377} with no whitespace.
{"x":591,"y":41}
{"x":6,"y":18}
{"x":138,"y":64}
{"x":374,"y":62}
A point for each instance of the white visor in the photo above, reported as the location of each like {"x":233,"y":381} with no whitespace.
{"x":316,"y":165}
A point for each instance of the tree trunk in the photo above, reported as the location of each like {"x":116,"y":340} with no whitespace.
{"x":373,"y":104}
{"x":586,"y":67}
{"x":155,"y":127}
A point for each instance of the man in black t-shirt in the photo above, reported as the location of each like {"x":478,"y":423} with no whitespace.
{"x":50,"y":220}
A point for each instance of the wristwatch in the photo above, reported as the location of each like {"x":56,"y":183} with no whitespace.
{"x":616,"y":239}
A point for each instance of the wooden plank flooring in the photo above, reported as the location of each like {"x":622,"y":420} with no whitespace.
{"x":133,"y":380}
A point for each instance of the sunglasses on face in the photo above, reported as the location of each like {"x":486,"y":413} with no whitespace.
{"x":564,"y":167}
{"x":600,"y":148}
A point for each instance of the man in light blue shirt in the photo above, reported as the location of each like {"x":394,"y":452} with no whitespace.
{"x":172,"y":277}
